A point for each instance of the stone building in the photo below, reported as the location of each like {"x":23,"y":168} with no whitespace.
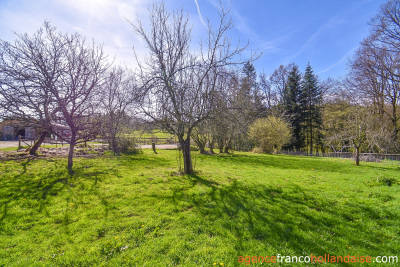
{"x":11,"y":129}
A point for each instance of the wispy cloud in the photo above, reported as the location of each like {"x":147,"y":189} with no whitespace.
{"x":241,"y":24}
{"x":200,"y":16}
{"x":340,"y":61}
{"x":266,"y":46}
{"x":314,"y":38}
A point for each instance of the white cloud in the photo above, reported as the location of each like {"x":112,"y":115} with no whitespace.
{"x":104,"y":21}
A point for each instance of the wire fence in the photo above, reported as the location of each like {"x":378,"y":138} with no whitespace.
{"x":371,"y":157}
{"x":158,"y":141}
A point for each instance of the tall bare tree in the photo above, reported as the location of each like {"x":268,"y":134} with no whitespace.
{"x":279,"y":79}
{"x":270,"y":97}
{"x":78,"y":90}
{"x":386,"y":25}
{"x":181,"y":83}
{"x":375,"y":73}
{"x":29,"y":69}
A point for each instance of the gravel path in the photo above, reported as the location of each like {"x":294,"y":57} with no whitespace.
{"x":4,"y":144}
{"x":169,"y":146}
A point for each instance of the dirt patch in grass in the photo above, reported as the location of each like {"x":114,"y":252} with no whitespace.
{"x":88,"y":152}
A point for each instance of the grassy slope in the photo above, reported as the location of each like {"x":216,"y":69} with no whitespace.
{"x":135,"y":210}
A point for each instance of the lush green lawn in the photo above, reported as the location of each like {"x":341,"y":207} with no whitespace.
{"x":135,"y":210}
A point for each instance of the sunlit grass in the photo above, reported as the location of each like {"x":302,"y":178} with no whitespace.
{"x":136,"y":210}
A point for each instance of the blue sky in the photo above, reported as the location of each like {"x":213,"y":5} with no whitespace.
{"x":324,"y":33}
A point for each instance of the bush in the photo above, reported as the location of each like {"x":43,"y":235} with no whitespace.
{"x":125,"y":144}
{"x":383,"y":181}
{"x":269,"y":134}
{"x":257,"y":150}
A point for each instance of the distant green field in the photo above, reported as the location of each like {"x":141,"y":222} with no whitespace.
{"x":152,"y":133}
{"x":136,"y":210}
{"x":158,"y":136}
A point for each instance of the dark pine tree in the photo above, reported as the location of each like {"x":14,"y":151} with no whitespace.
{"x":249,"y":77}
{"x":292,"y":107}
{"x":310,"y":103}
{"x":250,"y":88}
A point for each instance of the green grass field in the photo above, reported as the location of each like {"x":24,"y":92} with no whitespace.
{"x":136,"y":210}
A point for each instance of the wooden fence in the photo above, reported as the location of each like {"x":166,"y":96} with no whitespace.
{"x":29,"y":142}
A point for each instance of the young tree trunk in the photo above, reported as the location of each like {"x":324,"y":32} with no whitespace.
{"x":71,"y":152}
{"x":357,"y":156}
{"x":37,"y":144}
{"x":187,"y":158}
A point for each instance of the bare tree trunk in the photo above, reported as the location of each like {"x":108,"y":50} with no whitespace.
{"x":228,"y":146}
{"x":37,"y":144}
{"x":71,"y":156}
{"x":221,"y":145}
{"x":187,"y":158}
{"x":201,"y":143}
{"x":311,"y":139}
{"x":202,"y":147}
{"x":211,"y":144}
{"x":114,"y":145}
{"x":394,"y":121}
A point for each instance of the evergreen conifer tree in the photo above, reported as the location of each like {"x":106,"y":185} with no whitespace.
{"x":292,"y":107}
{"x":250,"y":89}
{"x":310,"y":99}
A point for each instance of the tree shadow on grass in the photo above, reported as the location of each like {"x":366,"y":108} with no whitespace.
{"x":27,"y":186}
{"x":156,"y":160}
{"x":34,"y":188}
{"x":287,"y":220}
{"x":296,"y":162}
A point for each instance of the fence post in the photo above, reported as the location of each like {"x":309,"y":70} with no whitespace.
{"x":19,"y":141}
